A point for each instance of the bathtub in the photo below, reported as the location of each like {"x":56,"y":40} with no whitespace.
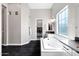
{"x":51,"y":47}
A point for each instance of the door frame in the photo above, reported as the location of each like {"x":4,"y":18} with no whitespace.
{"x":36,"y":25}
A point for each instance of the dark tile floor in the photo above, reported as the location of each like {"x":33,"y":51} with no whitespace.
{"x":31,"y":49}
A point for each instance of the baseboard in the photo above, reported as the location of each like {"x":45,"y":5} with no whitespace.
{"x":4,"y":44}
{"x":26,"y":42}
{"x":16,"y":44}
{"x":19,"y":44}
{"x":11,"y":44}
{"x":35,"y":39}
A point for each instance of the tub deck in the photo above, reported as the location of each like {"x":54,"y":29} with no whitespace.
{"x":51,"y":48}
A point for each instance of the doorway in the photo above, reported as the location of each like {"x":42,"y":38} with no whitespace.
{"x":39,"y":28}
{"x":4,"y":25}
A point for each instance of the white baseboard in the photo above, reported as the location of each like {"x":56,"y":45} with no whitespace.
{"x":21,"y":43}
{"x":35,"y":39}
{"x":4,"y":44}
{"x":16,"y":44}
{"x":10,"y":44}
{"x":25,"y":43}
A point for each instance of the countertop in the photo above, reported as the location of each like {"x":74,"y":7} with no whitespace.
{"x":74,"y":45}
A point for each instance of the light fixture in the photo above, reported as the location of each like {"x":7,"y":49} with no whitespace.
{"x":51,"y":20}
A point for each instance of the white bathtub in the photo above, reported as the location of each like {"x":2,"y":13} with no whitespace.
{"x":51,"y":47}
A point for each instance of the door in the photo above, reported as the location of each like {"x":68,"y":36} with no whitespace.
{"x":4,"y":25}
{"x":39,"y":28}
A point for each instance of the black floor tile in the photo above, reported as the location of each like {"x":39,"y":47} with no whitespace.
{"x":31,"y":49}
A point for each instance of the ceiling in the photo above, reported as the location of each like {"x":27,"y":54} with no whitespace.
{"x":40,"y":5}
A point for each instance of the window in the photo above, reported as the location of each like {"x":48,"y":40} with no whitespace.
{"x":62,"y":17}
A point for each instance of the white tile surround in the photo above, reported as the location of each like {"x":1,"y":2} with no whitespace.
{"x":51,"y":47}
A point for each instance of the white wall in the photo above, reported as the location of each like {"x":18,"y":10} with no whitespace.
{"x":25,"y":24}
{"x":71,"y":22}
{"x":77,"y":22}
{"x":56,"y":8}
{"x":35,"y":14}
{"x":0,"y":28}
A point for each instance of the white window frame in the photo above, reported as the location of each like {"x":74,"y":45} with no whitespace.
{"x":58,"y":22}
